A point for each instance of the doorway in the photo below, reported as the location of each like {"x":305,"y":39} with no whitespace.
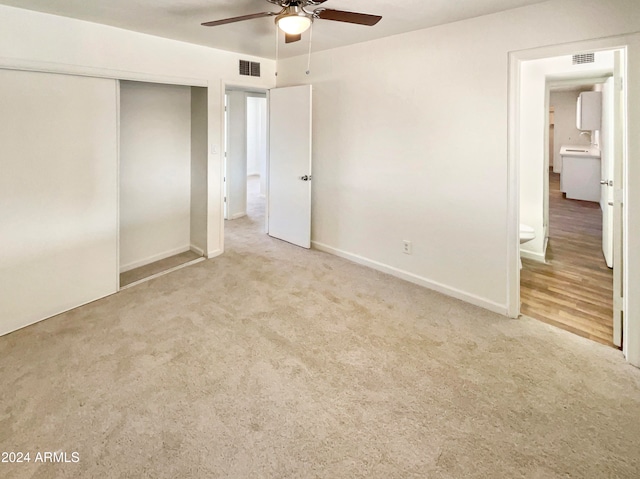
{"x":565,"y":280}
{"x":283,"y":197}
{"x":245,"y":165}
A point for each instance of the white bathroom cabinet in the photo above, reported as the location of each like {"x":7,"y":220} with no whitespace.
{"x":589,"y":110}
{"x":580,"y":176}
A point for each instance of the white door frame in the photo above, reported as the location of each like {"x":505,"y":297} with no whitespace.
{"x":631,"y":220}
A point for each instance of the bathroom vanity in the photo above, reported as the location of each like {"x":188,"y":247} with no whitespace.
{"x":580,"y":174}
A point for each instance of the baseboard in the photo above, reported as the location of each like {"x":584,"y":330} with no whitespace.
{"x":413,"y":278}
{"x":196,"y":250}
{"x":539,"y":257}
{"x":153,"y":259}
{"x":238,"y":215}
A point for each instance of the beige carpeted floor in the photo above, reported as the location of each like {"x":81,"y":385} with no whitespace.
{"x":275,"y":362}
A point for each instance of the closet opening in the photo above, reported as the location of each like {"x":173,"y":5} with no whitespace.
{"x":162,"y":179}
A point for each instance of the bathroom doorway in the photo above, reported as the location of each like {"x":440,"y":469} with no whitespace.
{"x":565,"y":280}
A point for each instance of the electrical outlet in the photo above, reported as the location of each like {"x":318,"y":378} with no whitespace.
{"x":406,"y":247}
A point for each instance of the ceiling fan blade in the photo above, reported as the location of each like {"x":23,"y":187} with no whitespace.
{"x":348,"y":17}
{"x":215,"y":23}
{"x":289,"y":38}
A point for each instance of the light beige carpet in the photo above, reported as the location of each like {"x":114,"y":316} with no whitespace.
{"x":275,"y":362}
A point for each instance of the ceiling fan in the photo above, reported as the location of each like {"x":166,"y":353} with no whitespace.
{"x":295,"y":18}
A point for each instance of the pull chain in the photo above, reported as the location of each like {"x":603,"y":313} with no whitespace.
{"x":277,"y":48}
{"x":309,"y":58}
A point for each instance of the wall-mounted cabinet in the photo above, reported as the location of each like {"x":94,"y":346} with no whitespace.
{"x":589,"y":110}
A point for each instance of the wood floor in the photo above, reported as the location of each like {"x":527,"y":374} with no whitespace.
{"x":574,"y":291}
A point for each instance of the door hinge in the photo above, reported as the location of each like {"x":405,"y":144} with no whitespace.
{"x":225,"y":199}
{"x":619,"y":83}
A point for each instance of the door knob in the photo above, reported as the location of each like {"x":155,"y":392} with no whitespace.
{"x":306,"y":178}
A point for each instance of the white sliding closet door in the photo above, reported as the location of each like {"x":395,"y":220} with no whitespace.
{"x":58,"y":194}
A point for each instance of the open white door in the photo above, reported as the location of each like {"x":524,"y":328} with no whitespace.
{"x":616,"y":200}
{"x":606,"y":175}
{"x":290,"y":165}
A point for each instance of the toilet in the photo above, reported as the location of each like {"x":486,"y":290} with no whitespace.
{"x":527,"y":233}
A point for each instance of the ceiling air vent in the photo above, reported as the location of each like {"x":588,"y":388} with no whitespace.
{"x":584,"y":58}
{"x":248,"y":68}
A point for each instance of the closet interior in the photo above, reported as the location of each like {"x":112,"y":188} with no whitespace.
{"x":163,"y":155}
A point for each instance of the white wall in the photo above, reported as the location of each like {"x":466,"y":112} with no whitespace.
{"x":533,"y":114}
{"x":257,"y":138}
{"x":32,"y":40}
{"x":155,"y":172}
{"x":236,"y":180}
{"x":58,"y":194}
{"x":410,"y":142}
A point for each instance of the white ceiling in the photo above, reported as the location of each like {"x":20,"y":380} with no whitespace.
{"x":181,"y":19}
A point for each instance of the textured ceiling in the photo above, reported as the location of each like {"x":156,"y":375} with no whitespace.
{"x":181,"y":19}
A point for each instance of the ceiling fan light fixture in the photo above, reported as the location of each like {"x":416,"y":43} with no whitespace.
{"x":294,"y":19}
{"x":294,"y":23}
